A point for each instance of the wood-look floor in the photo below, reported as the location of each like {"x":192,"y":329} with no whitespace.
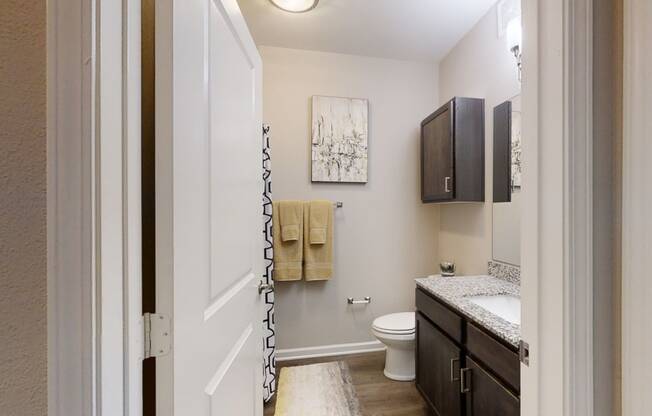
{"x":378,"y":395}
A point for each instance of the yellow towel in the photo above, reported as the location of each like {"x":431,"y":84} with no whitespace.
{"x":318,"y":258}
{"x":319,"y":216}
{"x":288,"y":255}
{"x":291,"y":216}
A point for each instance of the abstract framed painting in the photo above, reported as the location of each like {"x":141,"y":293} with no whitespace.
{"x":340,"y":139}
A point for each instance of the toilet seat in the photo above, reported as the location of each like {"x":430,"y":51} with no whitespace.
{"x":402,"y":323}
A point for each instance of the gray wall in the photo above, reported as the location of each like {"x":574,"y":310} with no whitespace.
{"x":384,"y":235}
{"x":23,"y":351}
{"x":478,"y":66}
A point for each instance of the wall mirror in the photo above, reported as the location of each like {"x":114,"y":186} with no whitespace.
{"x":507,"y":142}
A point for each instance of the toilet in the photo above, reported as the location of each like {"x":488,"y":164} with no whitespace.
{"x":397,"y":332}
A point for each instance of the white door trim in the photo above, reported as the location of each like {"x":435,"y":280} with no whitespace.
{"x":93,"y":138}
{"x":578,"y":208}
{"x":557,"y":219}
{"x":636,"y":208}
{"x":71,"y":323}
{"x":132,"y":209}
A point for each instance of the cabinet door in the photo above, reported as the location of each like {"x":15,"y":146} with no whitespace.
{"x":437,"y":164}
{"x":437,"y":369}
{"x":485,"y":395}
{"x":503,"y":152}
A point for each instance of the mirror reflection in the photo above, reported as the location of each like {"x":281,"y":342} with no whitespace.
{"x":507,"y":182}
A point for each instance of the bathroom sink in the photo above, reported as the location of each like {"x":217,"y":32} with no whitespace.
{"x":507,"y":307}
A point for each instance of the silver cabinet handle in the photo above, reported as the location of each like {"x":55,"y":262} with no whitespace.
{"x":465,"y":383}
{"x":263,"y":287}
{"x":453,"y":371}
{"x":447,"y":186}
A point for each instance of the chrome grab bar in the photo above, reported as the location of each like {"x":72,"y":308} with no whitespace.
{"x":352,"y":301}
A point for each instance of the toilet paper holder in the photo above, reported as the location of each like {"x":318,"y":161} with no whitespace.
{"x":351,"y":301}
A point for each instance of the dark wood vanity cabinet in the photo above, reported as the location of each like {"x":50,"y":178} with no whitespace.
{"x":461,"y":369}
{"x":486,"y":395}
{"x":452,"y":152}
{"x":438,"y":370}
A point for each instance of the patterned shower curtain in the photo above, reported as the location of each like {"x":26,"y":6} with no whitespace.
{"x":269,"y":342}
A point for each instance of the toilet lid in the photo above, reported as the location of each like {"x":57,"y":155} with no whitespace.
{"x":402,"y":322}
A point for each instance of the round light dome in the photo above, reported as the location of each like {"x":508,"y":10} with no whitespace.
{"x":295,"y":6}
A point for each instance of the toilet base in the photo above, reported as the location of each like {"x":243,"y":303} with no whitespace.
{"x":399,"y":362}
{"x":398,"y":378}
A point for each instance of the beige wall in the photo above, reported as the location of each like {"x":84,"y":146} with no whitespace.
{"x":478,"y":66}
{"x":384,"y":235}
{"x":23,"y":385}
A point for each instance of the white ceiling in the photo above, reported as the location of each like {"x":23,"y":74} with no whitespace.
{"x":423,"y":30}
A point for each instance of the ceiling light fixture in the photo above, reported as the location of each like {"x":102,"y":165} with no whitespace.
{"x":295,"y":6}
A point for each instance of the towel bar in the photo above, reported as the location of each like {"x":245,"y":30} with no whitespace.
{"x":352,"y":301}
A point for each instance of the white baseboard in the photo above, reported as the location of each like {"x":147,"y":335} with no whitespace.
{"x":329,"y":350}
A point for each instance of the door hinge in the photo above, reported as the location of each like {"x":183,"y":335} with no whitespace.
{"x":157,"y":335}
{"x":524,"y":352}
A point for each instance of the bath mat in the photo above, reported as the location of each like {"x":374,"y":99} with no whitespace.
{"x":317,"y":390}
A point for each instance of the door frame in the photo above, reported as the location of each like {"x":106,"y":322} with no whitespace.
{"x":557,"y":231}
{"x":93,"y":207}
{"x":636,"y":226}
{"x":566,"y":287}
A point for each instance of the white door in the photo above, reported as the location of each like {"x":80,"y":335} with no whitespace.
{"x":209,"y":209}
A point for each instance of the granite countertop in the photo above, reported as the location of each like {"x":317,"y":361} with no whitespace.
{"x":455,"y":290}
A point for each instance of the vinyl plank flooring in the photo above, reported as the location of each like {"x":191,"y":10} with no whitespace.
{"x":378,"y":395}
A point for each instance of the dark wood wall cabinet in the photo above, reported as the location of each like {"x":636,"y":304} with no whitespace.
{"x":503,"y":152}
{"x":461,"y":369}
{"x":452,"y":152}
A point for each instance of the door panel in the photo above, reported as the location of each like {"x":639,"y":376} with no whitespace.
{"x":438,"y":360}
{"x":235,"y":378}
{"x":233,"y":171}
{"x":208,"y":213}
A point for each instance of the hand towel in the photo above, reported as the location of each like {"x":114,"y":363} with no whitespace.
{"x":288,"y":255}
{"x":320,"y":212}
{"x":317,"y":258}
{"x":291,"y":217}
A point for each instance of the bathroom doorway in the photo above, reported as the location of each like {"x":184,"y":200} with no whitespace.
{"x":545,"y":274}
